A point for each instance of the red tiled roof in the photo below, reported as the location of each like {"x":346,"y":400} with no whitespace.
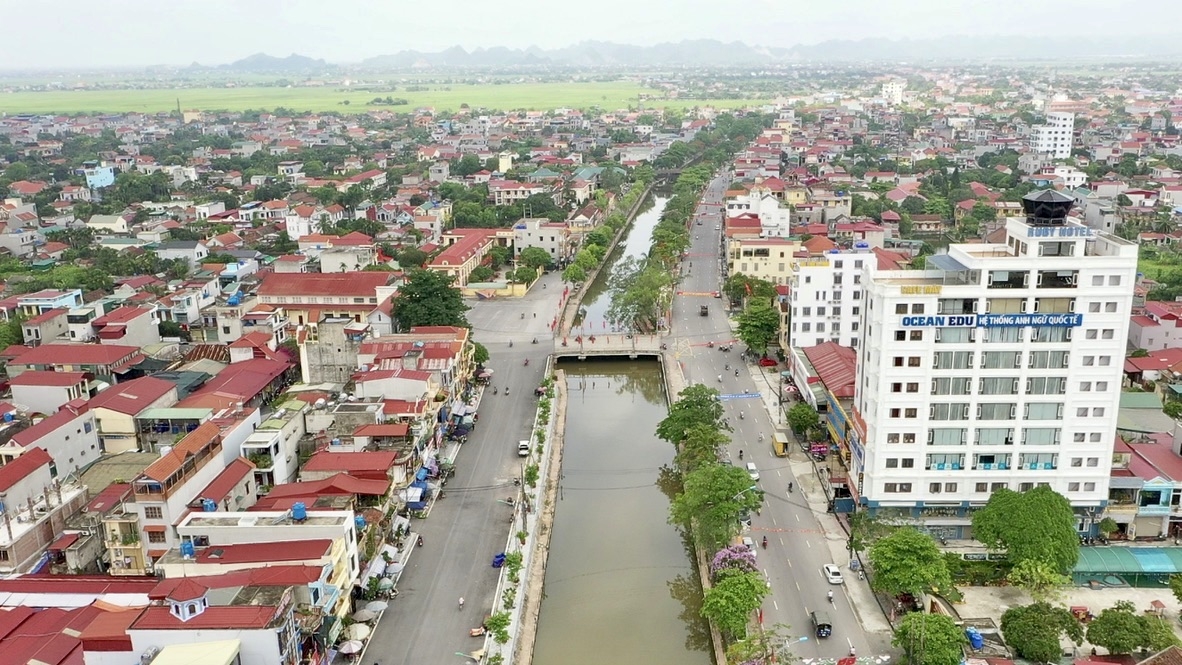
{"x":67,"y":414}
{"x":187,"y":589}
{"x":355,"y":464}
{"x":28,"y":462}
{"x":388,"y":429}
{"x":347,"y":284}
{"x":463,"y":249}
{"x":240,"y":382}
{"x":835,"y":366}
{"x":194,"y":441}
{"x":236,"y":616}
{"x":80,"y":354}
{"x":133,"y":396}
{"x":72,"y":584}
{"x":227,"y":480}
{"x":120,"y":315}
{"x":289,"y":575}
{"x":288,"y":550}
{"x":110,"y":497}
{"x":341,"y":484}
{"x":46,"y":378}
{"x":47,"y":315}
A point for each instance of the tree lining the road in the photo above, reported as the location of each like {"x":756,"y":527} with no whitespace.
{"x":1038,"y":525}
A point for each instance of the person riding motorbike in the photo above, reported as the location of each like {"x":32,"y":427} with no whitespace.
{"x":420,"y":543}
{"x":740,"y":454}
{"x":461,"y":602}
{"x":765,"y":542}
{"x":720,"y":378}
{"x":789,"y":488}
{"x":527,"y":362}
{"x":830,"y":596}
{"x":736,"y":373}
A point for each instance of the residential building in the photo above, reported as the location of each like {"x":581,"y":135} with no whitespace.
{"x":105,"y":362}
{"x":36,"y":506}
{"x":552,"y":237}
{"x":1056,"y":137}
{"x":768,"y":259}
{"x":45,"y":327}
{"x":192,"y":252}
{"x":128,"y":325}
{"x":310,"y":297}
{"x":1160,"y":327}
{"x":46,"y":392}
{"x":892,"y":91}
{"x":69,"y":436}
{"x":508,"y":192}
{"x":33,"y":304}
{"x":116,"y":407}
{"x":274,"y":446}
{"x":826,"y":296}
{"x":999,"y":366}
{"x":775,"y":220}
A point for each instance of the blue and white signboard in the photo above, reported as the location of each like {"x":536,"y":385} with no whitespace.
{"x":994,"y":321}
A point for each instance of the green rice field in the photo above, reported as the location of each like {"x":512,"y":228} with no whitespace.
{"x":509,"y":96}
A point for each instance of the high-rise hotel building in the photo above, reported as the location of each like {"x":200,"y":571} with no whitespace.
{"x":999,"y":365}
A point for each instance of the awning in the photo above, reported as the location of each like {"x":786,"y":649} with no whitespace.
{"x":64,"y":542}
{"x":155,"y":528}
{"x":413,"y":494}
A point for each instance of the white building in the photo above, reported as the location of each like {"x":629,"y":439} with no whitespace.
{"x":892,"y":91}
{"x":552,"y":237}
{"x":998,"y":366}
{"x":827,"y":297}
{"x":775,"y":220}
{"x":1055,"y":137}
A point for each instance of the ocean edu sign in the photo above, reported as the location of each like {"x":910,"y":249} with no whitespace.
{"x":994,"y":321}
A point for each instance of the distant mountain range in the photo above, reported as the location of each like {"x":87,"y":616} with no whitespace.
{"x":709,"y":52}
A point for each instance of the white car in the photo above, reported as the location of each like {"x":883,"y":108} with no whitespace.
{"x":832,"y":574}
{"x":752,"y":471}
{"x":750,"y":543}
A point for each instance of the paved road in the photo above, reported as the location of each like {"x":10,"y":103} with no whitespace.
{"x":471,"y":524}
{"x":797,"y":543}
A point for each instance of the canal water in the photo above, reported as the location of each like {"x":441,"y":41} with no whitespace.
{"x":593,"y":320}
{"x":620,"y":586}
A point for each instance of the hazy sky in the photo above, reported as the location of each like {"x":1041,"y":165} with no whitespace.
{"x":97,"y":33}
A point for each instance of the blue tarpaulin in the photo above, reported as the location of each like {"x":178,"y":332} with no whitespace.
{"x":422,"y":474}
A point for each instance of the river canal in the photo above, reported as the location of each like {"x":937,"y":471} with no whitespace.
{"x":620,"y":586}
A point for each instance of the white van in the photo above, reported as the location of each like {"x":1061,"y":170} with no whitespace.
{"x":523,"y":448}
{"x":752,"y":471}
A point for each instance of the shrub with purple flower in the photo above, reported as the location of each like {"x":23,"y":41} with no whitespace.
{"x":734,"y":558}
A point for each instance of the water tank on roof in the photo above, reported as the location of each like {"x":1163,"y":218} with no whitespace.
{"x":299,"y":512}
{"x":861,"y":244}
{"x":209,"y":505}
{"x":234,"y":299}
{"x":187,"y":549}
{"x":359,"y":521}
{"x":8,"y":417}
{"x":336,"y":442}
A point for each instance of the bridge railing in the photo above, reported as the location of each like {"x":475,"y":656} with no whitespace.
{"x":607,"y":345}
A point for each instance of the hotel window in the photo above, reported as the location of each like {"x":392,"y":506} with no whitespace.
{"x":1097,"y":280}
{"x":915,"y":336}
{"x":1002,"y":335}
{"x":1081,"y":412}
{"x":1085,"y":386}
{"x":897,"y":361}
{"x":1046,"y":385}
{"x":1089,"y":487}
{"x":948,"y":411}
{"x":947,"y":436}
{"x":1109,"y":307}
{"x":1101,"y":386}
{"x":909,"y":437}
{"x":900,"y":335}
{"x":912,"y":387}
{"x":912,"y":361}
{"x":1002,"y":385}
{"x":1040,"y":436}
{"x":995,"y":436}
{"x":1114,"y":280}
{"x":910,"y":413}
{"x":892,"y":437}
{"x":1000,"y":359}
{"x":895,"y":413}
{"x":1002,"y":411}
{"x":1050,"y":334}
{"x":1072,"y":487}
{"x":981,"y":487}
{"x":917,"y":308}
{"x":1105,"y":361}
{"x":1094,"y":307}
{"x":1044,"y":411}
{"x":955,"y":335}
{"x":1005,"y":305}
{"x":952,"y":359}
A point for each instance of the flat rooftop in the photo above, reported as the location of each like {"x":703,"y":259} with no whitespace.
{"x":262,"y":519}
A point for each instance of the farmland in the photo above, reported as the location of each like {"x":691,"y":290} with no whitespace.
{"x":508,"y":96}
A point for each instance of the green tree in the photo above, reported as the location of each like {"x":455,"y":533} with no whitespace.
{"x":574,"y":273}
{"x":12,"y":332}
{"x":499,"y":255}
{"x":1035,"y":630}
{"x":481,"y":274}
{"x":410,"y":257}
{"x":479,"y":353}
{"x":908,"y":561}
{"x":700,"y":447}
{"x":170,"y":329}
{"x":428,"y":298}
{"x":710,"y":503}
{"x":759,"y":324}
{"x":1038,"y":525}
{"x":1119,"y":629}
{"x":525,"y":275}
{"x":696,"y":405}
{"x":16,"y":171}
{"x":802,"y":418}
{"x":534,"y":257}
{"x":1037,"y":577}
{"x":1158,"y":634}
{"x":912,"y":205}
{"x":640,"y":294}
{"x":865,"y":530}
{"x":467,"y":165}
{"x":730,"y":602}
{"x":930,"y":639}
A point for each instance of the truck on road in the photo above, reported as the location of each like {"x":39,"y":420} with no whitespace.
{"x":704,"y":310}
